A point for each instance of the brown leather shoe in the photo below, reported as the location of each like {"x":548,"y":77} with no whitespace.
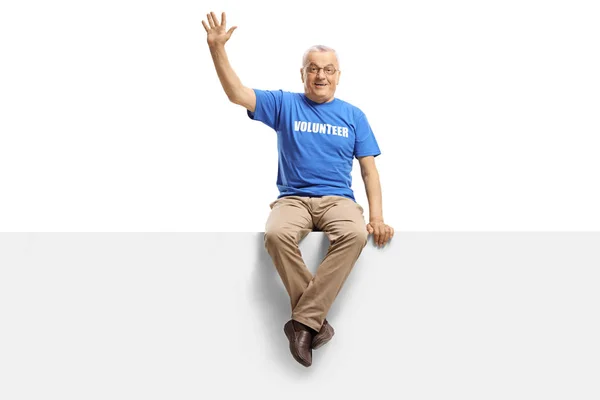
{"x":324,"y":335}
{"x":300,"y":343}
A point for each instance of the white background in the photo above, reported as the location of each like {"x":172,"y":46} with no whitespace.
{"x":112,"y":117}
{"x":436,"y":315}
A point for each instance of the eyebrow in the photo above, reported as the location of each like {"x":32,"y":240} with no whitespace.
{"x":328,"y":65}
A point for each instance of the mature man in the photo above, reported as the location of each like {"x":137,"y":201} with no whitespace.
{"x":318,"y":137}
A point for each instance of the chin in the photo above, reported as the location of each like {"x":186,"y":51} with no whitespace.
{"x":323,"y":95}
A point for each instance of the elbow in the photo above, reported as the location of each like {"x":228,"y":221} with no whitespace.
{"x":233,"y":98}
{"x":235,"y":94}
{"x":243,"y":97}
{"x":236,"y":98}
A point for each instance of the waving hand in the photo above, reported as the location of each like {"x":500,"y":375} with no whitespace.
{"x":216,"y":33}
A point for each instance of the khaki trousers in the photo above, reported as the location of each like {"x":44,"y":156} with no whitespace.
{"x":290,"y":220}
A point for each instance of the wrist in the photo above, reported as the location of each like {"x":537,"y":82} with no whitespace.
{"x":375,"y":219}
{"x":216,"y":46}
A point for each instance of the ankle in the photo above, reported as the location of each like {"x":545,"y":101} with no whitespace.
{"x":299,"y":326}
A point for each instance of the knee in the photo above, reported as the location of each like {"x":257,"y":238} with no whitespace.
{"x":363,"y":236}
{"x":277,"y":236}
{"x":358,"y":235}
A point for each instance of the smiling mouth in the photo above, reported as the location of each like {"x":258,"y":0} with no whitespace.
{"x":320,"y":84}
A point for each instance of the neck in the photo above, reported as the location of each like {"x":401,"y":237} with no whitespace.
{"x":319,"y":99}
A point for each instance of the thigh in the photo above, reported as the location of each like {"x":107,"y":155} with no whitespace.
{"x":341,"y":215}
{"x":289,"y":216}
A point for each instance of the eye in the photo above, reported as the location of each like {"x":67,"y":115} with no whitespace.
{"x":329,"y":70}
{"x":313,"y":68}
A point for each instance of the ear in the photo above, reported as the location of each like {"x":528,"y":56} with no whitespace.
{"x":302,"y":74}
{"x":338,"y":77}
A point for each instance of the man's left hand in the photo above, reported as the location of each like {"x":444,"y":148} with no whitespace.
{"x":382,"y":232}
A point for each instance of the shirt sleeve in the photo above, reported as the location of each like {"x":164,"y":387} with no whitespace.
{"x":365,"y":143}
{"x":268,"y":107}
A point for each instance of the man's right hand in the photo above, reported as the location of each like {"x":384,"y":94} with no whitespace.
{"x":216,"y":34}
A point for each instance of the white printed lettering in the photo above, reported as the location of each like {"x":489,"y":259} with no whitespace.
{"x":317,"y":127}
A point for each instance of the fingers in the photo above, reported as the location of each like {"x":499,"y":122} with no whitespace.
{"x":374,"y":230}
{"x":211,"y":22}
{"x":387,"y":236}
{"x":382,"y":238}
{"x":382,"y":234}
{"x":215,"y":19}
{"x":377,"y":236}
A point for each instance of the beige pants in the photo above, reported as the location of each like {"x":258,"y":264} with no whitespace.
{"x":290,"y":220}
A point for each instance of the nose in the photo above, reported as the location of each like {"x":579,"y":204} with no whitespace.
{"x":321,"y":73}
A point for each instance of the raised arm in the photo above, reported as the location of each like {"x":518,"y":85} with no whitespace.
{"x":216,"y":37}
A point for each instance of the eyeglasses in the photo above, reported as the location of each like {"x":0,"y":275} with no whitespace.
{"x":313,"y":69}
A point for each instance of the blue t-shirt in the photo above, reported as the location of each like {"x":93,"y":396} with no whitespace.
{"x":317,"y":142}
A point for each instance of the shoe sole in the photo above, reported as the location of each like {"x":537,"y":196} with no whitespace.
{"x":288,"y":334}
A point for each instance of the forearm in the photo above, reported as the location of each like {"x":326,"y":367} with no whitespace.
{"x":229,"y":80}
{"x":373,"y":189}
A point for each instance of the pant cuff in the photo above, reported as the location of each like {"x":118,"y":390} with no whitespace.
{"x":310,"y":323}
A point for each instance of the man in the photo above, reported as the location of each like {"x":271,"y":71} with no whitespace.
{"x":318,"y":135}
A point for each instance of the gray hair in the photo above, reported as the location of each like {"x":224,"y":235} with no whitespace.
{"x":319,"y":48}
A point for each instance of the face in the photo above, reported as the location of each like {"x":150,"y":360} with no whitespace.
{"x":319,"y":86}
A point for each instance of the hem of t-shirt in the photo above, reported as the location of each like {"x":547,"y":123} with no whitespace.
{"x":350,"y":197}
{"x":367,"y":155}
{"x":251,"y":114}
